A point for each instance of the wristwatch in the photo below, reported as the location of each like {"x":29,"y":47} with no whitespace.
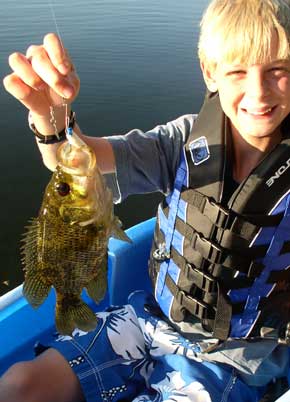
{"x":52,"y":138}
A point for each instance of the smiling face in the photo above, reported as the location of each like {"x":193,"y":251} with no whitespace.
{"x":244,"y":50}
{"x":256,"y":98}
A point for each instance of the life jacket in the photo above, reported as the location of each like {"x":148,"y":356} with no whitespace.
{"x":225,"y":267}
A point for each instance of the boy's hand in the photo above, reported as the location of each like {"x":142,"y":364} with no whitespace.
{"x":42,"y":77}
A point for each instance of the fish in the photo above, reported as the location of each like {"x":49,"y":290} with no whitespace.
{"x":66,"y":245}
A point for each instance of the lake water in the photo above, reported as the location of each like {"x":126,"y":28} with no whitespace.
{"x":138,"y":68}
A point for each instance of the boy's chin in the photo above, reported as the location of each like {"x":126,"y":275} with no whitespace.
{"x":259,"y":134}
{"x":257,"y":131}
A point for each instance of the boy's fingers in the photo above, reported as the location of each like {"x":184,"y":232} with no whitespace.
{"x":45,"y":69}
{"x":26,"y":95}
{"x":57,"y":53}
{"x":31,"y":51}
{"x":17,"y":88}
{"x":22,"y":67}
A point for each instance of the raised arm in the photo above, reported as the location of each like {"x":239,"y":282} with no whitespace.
{"x":45,"y":77}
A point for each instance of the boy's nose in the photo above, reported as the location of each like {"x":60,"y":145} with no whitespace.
{"x":256,"y":85}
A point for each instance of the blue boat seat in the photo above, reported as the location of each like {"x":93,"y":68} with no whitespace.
{"x":128,"y":263}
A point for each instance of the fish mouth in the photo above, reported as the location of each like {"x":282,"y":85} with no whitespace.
{"x":76,"y":159}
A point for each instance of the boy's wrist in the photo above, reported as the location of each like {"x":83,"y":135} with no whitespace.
{"x":44,"y":124}
{"x":48,"y":133}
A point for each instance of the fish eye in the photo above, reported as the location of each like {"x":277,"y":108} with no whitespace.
{"x":63,"y":188}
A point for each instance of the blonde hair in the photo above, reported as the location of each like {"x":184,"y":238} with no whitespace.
{"x":241,"y":31}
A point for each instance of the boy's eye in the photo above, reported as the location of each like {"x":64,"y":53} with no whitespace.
{"x":279,"y":69}
{"x":236,"y":72}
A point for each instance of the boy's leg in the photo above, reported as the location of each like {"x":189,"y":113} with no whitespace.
{"x":109,"y":362}
{"x":48,"y":378}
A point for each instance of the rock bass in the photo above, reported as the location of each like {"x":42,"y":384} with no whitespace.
{"x":65,"y":247}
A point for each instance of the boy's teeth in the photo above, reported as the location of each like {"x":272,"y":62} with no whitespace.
{"x":260,"y":113}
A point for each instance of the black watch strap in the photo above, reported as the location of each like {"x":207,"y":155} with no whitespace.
{"x":53,"y":138}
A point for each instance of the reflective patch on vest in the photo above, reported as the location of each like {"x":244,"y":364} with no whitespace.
{"x":199,"y":150}
{"x":177,"y":239}
{"x":162,"y":294}
{"x":181,"y":213}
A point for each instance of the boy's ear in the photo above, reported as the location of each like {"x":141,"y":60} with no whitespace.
{"x":209,"y":78}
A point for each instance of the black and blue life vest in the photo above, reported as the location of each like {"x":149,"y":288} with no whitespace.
{"x":224,"y":265}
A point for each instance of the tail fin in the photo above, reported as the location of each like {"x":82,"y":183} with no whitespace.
{"x":75,"y":315}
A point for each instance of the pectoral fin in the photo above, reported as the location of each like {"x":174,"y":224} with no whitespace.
{"x":118,"y":232}
{"x":34,"y":289}
{"x":97,"y":287}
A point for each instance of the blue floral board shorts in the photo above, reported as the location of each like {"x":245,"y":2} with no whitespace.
{"x":133,"y":355}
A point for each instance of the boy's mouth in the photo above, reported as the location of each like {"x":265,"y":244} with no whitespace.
{"x":261,"y":112}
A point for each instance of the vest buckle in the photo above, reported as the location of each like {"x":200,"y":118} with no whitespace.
{"x":161,"y":254}
{"x":286,"y":339}
{"x":202,"y":280}
{"x":218,"y":215}
{"x":273,"y":334}
{"x":194,"y":306}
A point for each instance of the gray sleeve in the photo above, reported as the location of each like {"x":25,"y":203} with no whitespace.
{"x":147,"y":161}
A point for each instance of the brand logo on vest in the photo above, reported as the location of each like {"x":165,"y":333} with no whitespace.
{"x":199,"y":150}
{"x":282,"y":169}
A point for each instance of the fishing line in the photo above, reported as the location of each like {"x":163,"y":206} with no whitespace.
{"x":50,"y":3}
{"x":55,"y":23}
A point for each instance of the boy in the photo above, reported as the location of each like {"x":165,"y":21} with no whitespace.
{"x":217,"y":327}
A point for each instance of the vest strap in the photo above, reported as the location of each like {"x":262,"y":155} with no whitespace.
{"x":196,"y":307}
{"x":250,"y":268}
{"x":219,"y":255}
{"x":245,"y":226}
{"x":220,"y":314}
{"x":204,"y":280}
{"x":223,"y":317}
{"x":206,"y":206}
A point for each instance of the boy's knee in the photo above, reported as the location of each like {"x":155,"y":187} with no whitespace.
{"x":18,"y":382}
{"x":48,"y":378}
